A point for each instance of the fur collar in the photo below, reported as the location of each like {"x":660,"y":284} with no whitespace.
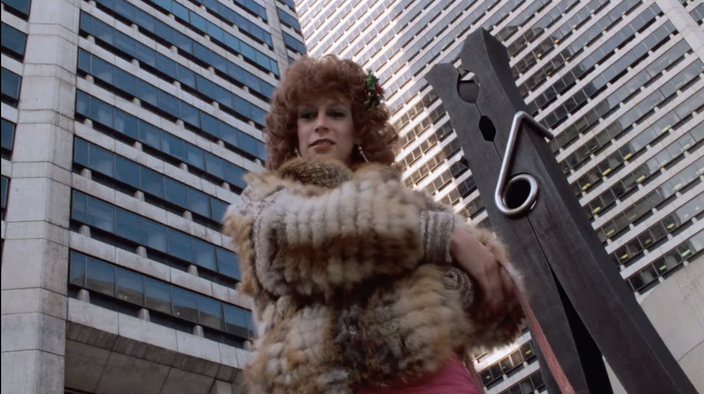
{"x":314,"y":177}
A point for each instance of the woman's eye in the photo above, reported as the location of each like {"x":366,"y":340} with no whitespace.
{"x":306,"y":115}
{"x":337,"y":114}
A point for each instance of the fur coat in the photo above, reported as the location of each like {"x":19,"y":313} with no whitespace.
{"x":352,"y":280}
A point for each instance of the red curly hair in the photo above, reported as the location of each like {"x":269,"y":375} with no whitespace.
{"x":329,"y":75}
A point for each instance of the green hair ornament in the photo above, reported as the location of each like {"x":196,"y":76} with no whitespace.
{"x":375,"y":93}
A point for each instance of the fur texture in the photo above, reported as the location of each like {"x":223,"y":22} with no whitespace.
{"x":352,"y":280}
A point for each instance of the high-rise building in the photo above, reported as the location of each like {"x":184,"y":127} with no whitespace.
{"x":620,"y":84}
{"x":126,"y":128}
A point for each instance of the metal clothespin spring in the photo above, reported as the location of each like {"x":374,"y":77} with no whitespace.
{"x":504,"y":184}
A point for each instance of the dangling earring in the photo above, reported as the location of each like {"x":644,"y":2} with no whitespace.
{"x":361,"y":153}
{"x":295,"y":150}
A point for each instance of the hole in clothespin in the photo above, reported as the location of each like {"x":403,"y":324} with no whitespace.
{"x":486,"y":126}
{"x":468,"y":91}
{"x":517,"y":191}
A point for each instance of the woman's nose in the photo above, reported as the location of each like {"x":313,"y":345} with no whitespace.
{"x":321,"y":124}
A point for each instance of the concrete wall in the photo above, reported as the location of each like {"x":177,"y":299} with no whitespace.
{"x":676,"y":309}
{"x":35,"y":258}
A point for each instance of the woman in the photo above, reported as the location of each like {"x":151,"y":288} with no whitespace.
{"x":354,"y":277}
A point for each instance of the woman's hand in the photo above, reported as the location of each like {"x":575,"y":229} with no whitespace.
{"x":497,"y":288}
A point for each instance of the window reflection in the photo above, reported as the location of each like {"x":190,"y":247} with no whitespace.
{"x":130,"y":286}
{"x":100,"y":276}
{"x":158,"y":295}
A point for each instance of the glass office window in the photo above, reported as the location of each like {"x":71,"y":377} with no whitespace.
{"x":228,"y":264}
{"x":13,"y":41}
{"x":128,"y":225}
{"x":176,"y":192}
{"x":130,"y":286}
{"x":180,"y":245}
{"x":77,"y":269}
{"x":236,"y":321}
{"x":20,"y":6}
{"x":185,"y":304}
{"x":101,"y":214}
{"x":126,"y":171}
{"x":210,"y":312}
{"x":154,"y":235}
{"x":204,"y":254}
{"x":152,"y":182}
{"x":158,"y":295}
{"x":100,"y":277}
{"x":10,"y":87}
{"x":8,"y":135}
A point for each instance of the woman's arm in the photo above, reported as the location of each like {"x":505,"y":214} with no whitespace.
{"x":490,"y":297}
{"x":318,"y":242}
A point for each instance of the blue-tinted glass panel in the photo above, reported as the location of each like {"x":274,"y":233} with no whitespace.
{"x":80,"y":152}
{"x":235,"y":176}
{"x":126,"y":124}
{"x":128,"y":225}
{"x":210,"y":312}
{"x":145,"y":20}
{"x":167,"y":66}
{"x":127,"y":171}
{"x":183,"y":43}
{"x":229,"y":134}
{"x":194,"y":156}
{"x":169,"y":104}
{"x":125,"y":9}
{"x":158,"y":295}
{"x":130,"y":286}
{"x":101,"y":215}
{"x":204,"y":254}
{"x":218,"y":209}
{"x":13,"y":40}
{"x":147,"y":93}
{"x":150,"y":135}
{"x":102,"y":31}
{"x":186,"y":76}
{"x":152,"y":182}
{"x":77,"y":270}
{"x":100,"y":277}
{"x":215,"y":165}
{"x":101,"y":160}
{"x":228,"y":263}
{"x":199,"y":22}
{"x":102,"y":113}
{"x":190,"y":114}
{"x":223,"y":96}
{"x":20,"y":5}
{"x":176,"y":192}
{"x":10,"y":84}
{"x":125,"y":43}
{"x":126,"y":82}
{"x":83,"y":104}
{"x":198,"y":202}
{"x":5,"y":186}
{"x":180,"y":245}
{"x":235,"y":321}
{"x":210,"y":124}
{"x":102,"y":70}
{"x":185,"y":304}
{"x":179,"y":11}
{"x":154,"y":235}
{"x":79,"y":210}
{"x":248,"y":143}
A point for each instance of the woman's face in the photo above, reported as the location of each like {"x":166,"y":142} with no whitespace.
{"x":326,"y":129}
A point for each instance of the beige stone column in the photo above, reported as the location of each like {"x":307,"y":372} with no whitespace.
{"x":35,"y":258}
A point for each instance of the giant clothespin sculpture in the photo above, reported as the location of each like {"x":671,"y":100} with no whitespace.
{"x":580,"y":301}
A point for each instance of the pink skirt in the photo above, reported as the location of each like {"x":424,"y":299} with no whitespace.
{"x":452,"y":378}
